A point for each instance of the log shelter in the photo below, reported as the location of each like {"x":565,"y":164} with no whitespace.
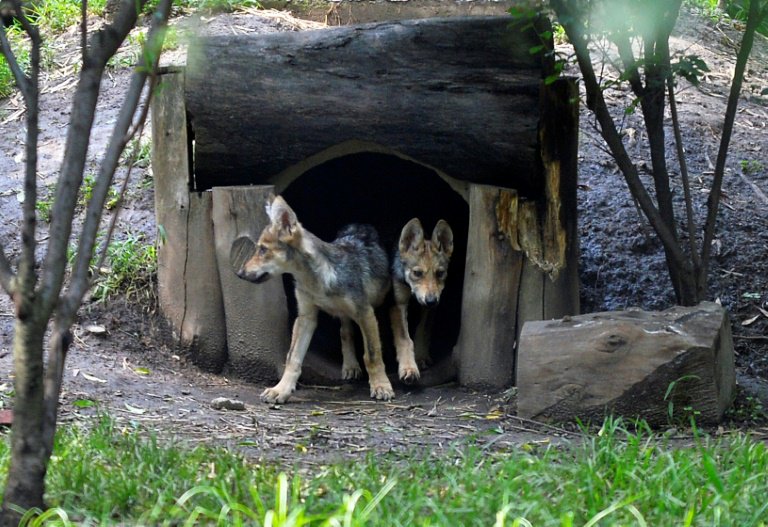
{"x":378,"y":123}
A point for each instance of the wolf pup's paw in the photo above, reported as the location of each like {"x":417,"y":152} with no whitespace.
{"x":275,"y":396}
{"x":382,"y":392}
{"x":409,"y":374}
{"x":350,"y":373}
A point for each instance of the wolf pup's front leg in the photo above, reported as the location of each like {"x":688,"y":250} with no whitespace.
{"x":419,"y":269}
{"x":303,"y":329}
{"x":381,"y":388}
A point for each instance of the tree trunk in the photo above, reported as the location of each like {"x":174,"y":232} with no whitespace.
{"x":29,"y":456}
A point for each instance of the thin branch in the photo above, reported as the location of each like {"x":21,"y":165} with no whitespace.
{"x":7,"y":276}
{"x":103,"y":45}
{"x":27,"y":276}
{"x":137,"y":132}
{"x":595,"y":102}
{"x":84,"y":30}
{"x":18,"y":74}
{"x":754,"y":18}
{"x":684,"y":176}
{"x":624,"y":47}
{"x":123,"y":131}
{"x":122,"y":134}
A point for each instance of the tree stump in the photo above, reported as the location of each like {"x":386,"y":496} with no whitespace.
{"x":256,"y":314}
{"x":658,"y":366}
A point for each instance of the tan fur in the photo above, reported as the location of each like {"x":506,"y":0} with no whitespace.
{"x":420,"y":269}
{"x":286,"y":247}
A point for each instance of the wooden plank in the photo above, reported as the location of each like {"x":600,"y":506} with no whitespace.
{"x":256,"y":314}
{"x":459,"y":94}
{"x":188,"y":285}
{"x":486,"y":344}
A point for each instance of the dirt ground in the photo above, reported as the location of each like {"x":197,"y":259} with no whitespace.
{"x":134,"y":372}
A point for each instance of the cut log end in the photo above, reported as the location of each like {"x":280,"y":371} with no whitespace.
{"x":242,"y":250}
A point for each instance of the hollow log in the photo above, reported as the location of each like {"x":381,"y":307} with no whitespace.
{"x":460,"y":94}
{"x":188,"y":282}
{"x":658,"y":366}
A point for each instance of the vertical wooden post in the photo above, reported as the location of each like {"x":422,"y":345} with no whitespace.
{"x":256,"y":314}
{"x":188,"y":281}
{"x":486,"y":344}
{"x":558,"y":143}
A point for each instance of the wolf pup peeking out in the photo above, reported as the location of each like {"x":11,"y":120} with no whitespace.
{"x":346,"y":278}
{"x":419,"y":267}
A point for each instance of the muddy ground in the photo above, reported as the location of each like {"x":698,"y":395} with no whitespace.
{"x":134,"y":372}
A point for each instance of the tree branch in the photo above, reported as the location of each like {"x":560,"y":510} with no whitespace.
{"x":754,"y":18}
{"x":691,"y":224}
{"x":103,"y":46}
{"x":7,"y":276}
{"x":122,"y":133}
{"x":577,"y":34}
{"x":21,"y":79}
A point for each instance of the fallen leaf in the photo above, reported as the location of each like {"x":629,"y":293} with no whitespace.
{"x":750,"y":320}
{"x":96,"y":329}
{"x":135,"y":409}
{"x":84,"y":403}
{"x":142,"y":371}
{"x":6,"y":417}
{"x":93,"y":378}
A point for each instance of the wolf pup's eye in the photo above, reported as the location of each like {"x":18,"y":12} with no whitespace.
{"x":262,"y":250}
{"x":439,"y":274}
{"x":417,"y":273}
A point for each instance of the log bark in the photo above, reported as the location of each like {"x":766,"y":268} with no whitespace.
{"x":256,"y":314}
{"x":658,"y":366}
{"x":188,"y":282}
{"x":460,"y":94}
{"x":558,"y":134}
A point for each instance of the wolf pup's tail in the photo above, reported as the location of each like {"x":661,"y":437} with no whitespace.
{"x":360,"y":232}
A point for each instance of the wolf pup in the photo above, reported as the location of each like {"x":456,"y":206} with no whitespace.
{"x":419,"y":267}
{"x":346,"y":278}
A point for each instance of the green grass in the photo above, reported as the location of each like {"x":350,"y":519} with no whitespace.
{"x":131,"y":265}
{"x":113,"y":475}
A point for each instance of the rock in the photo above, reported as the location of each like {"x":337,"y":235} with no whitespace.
{"x":222,"y":403}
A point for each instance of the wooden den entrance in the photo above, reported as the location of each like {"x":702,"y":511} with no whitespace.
{"x":434,"y":118}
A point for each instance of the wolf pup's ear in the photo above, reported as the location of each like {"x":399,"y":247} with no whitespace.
{"x":412,"y":236}
{"x":442,"y":237}
{"x":268,"y":206}
{"x":283,"y":217}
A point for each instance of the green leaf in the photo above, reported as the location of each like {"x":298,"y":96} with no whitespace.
{"x":711,"y":471}
{"x":691,"y":68}
{"x":84,"y":403}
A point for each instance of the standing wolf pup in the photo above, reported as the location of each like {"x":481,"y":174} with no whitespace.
{"x":419,"y":267}
{"x":346,"y":278}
